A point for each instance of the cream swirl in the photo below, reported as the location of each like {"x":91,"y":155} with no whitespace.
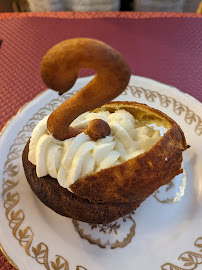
{"x":79,"y":156}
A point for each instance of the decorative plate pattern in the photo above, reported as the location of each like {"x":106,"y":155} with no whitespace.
{"x":108,"y":235}
{"x":190,"y":260}
{"x":11,"y":198}
{"x":115,"y":235}
{"x":178,"y":108}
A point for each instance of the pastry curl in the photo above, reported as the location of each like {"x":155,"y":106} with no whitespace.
{"x":59,"y":71}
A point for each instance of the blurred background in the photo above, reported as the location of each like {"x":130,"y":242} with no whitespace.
{"x":101,"y":5}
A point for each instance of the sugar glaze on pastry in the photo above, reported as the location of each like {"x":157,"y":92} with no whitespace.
{"x":79,"y":156}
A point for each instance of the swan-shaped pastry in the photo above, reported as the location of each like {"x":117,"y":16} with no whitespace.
{"x":107,"y":191}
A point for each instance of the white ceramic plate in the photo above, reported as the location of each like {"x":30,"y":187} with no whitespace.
{"x":165,"y":232}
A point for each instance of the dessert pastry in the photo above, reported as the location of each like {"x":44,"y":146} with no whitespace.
{"x":92,"y":163}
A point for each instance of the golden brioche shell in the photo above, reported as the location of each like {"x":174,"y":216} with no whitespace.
{"x":136,"y":179}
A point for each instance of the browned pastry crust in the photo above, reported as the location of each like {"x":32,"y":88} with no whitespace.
{"x":68,"y":204}
{"x":59,"y":70}
{"x":137,"y":178}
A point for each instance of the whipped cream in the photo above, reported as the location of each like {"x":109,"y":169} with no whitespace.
{"x":74,"y":158}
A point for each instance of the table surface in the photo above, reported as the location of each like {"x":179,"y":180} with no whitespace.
{"x":162,"y":46}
